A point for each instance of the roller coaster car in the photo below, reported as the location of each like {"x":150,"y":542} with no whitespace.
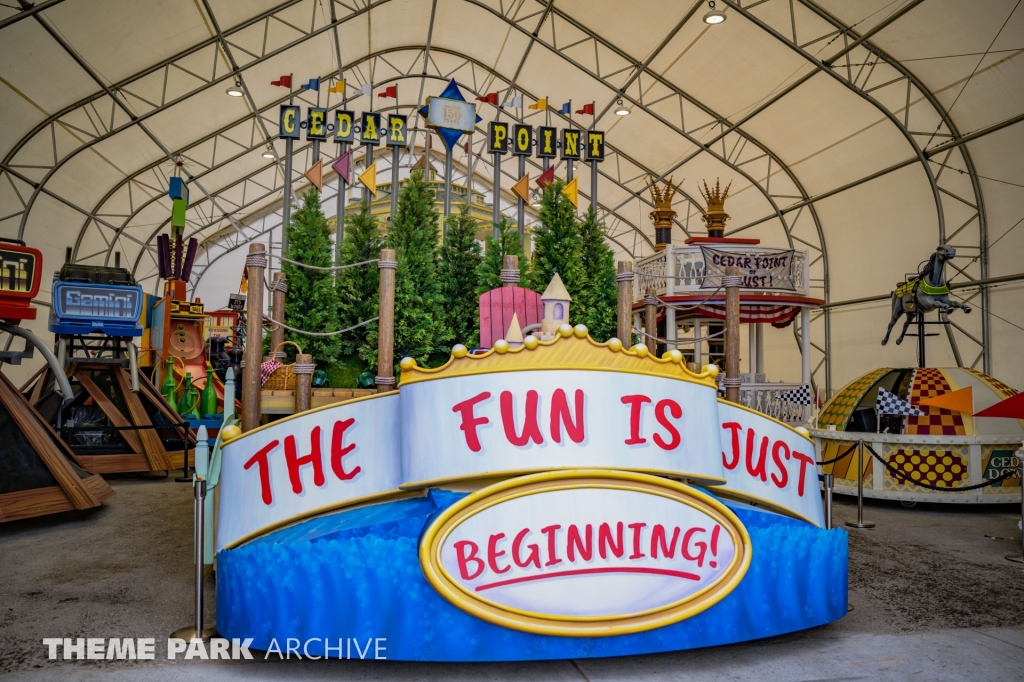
{"x":20,"y":270}
{"x":91,"y":298}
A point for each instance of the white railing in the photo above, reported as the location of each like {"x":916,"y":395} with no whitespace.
{"x":681,"y":269}
{"x":766,"y":399}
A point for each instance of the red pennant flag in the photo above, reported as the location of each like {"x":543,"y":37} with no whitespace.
{"x":587,"y":109}
{"x":1011,"y":408}
{"x":390,"y":91}
{"x":489,"y":98}
{"x":283,"y":82}
{"x":546,"y":178}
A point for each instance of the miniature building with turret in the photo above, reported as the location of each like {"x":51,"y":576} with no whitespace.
{"x":556,"y":302}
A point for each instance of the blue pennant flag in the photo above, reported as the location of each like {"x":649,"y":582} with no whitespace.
{"x":566,"y":108}
{"x":313,"y":84}
{"x":450,"y":136}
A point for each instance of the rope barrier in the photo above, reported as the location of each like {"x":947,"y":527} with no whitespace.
{"x":677,"y":341}
{"x":689,"y":307}
{"x":945,"y":489}
{"x":833,"y":461}
{"x":317,"y":267}
{"x":267,"y":318}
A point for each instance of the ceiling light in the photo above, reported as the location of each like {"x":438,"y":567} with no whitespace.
{"x":269,"y":154}
{"x":235,"y":90}
{"x":620,"y":109}
{"x":714,"y":16}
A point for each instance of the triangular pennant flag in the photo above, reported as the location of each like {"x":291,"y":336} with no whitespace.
{"x":546,"y":178}
{"x":522,"y":188}
{"x":343,"y":167}
{"x":1011,"y":408}
{"x":369,"y":178}
{"x":888,"y":403}
{"x":957,"y":401}
{"x":315,"y":174}
{"x":572,"y":192}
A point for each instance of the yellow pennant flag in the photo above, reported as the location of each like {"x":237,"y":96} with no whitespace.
{"x":571,"y":190}
{"x":522,"y":188}
{"x":369,"y":178}
{"x":541,"y":104}
{"x":338,"y":88}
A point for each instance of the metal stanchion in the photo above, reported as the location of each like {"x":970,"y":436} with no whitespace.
{"x":184,"y":478}
{"x":829,"y":481}
{"x":197,"y":631}
{"x":1019,"y":558}
{"x":860,"y":523}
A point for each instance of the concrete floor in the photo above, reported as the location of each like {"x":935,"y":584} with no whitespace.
{"x":934,"y":600}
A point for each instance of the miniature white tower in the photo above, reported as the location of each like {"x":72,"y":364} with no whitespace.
{"x":556,"y":302}
{"x":514,"y":335}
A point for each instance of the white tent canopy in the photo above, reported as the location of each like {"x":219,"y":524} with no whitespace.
{"x":846,"y":147}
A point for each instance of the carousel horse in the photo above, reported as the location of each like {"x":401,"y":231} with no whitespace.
{"x":925,"y":293}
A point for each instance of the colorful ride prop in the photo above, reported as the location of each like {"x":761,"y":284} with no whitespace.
{"x":943,"y":447}
{"x":562,"y":499}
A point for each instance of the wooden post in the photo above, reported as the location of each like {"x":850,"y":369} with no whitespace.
{"x":510,"y":271}
{"x":651,"y":322}
{"x":303,"y":369}
{"x":256,"y":263}
{"x":624,"y":281}
{"x":279,"y":289}
{"x":386,"y":325}
{"x":732,"y":281}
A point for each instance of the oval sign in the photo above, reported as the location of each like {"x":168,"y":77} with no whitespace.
{"x":585,"y":553}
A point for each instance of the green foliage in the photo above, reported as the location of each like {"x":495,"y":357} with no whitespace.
{"x":508,"y":243}
{"x":311,"y":303}
{"x":420,"y":329}
{"x":558,"y":247}
{"x":344,"y":373}
{"x":357,"y":287}
{"x":457,"y":274}
{"x":599,"y":301}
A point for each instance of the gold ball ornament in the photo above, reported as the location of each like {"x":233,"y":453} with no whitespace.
{"x":531,"y":342}
{"x":459,"y":351}
{"x":501,"y":346}
{"x":614,"y":344}
{"x":641,"y":350}
{"x":675,"y":356}
{"x":229,"y":433}
{"x":407,"y":364}
{"x":802,"y":430}
{"x":565,"y":331}
{"x":710,"y":370}
{"x":580,"y":331}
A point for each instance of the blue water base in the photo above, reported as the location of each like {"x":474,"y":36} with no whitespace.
{"x":356,"y":575}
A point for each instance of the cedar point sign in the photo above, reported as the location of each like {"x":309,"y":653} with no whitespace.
{"x":563,"y":497}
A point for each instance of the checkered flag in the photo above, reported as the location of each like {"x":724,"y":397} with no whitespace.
{"x":887,"y":403}
{"x":800,"y":396}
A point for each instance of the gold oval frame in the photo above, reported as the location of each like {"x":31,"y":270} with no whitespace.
{"x":582,"y":626}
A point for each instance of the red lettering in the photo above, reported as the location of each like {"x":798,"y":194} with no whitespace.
{"x":659,"y":413}
{"x":295,"y":463}
{"x":339,"y":450}
{"x":552,"y":552}
{"x":636,"y":405}
{"x":531,"y":429}
{"x":493,"y":554}
{"x":560,"y":415}
{"x":658,"y":539}
{"x":758,"y":470}
{"x":735,"y":427}
{"x":464,"y":559}
{"x":517,"y":544}
{"x":637,"y":529}
{"x":805,"y":462}
{"x":604,"y":540}
{"x":576,"y":543}
{"x":778,"y":449}
{"x":702,"y":547}
{"x":264,"y":468}
{"x":470,"y":422}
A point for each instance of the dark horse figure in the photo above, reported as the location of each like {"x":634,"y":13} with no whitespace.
{"x":925,"y":293}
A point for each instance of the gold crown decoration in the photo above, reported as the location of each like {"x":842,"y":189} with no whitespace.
{"x":662,"y":214}
{"x":571,"y":348}
{"x":716,"y":216}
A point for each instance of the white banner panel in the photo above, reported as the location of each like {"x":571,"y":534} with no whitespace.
{"x":534,"y":420}
{"x":767,"y":461}
{"x":296,"y":467}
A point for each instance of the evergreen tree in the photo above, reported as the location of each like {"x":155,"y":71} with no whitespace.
{"x":600,"y":299}
{"x":558,"y":247}
{"x":508,"y":243}
{"x":357,"y":287}
{"x":311,"y":303}
{"x":457,"y":273}
{"x":420,"y":328}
